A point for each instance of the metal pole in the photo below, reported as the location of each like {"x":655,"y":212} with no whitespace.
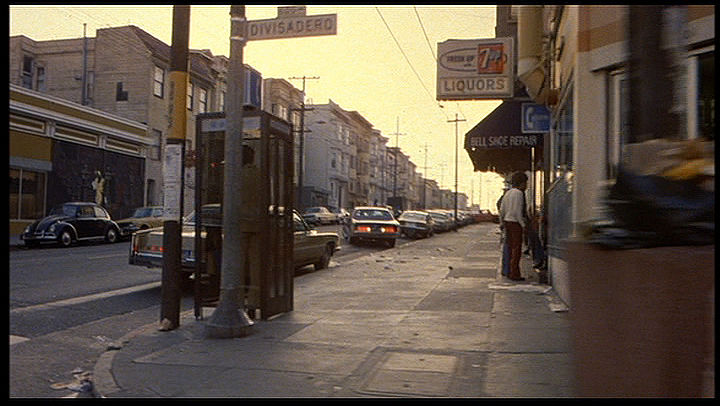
{"x":397,"y":150}
{"x":173,"y":171}
{"x":229,"y":319}
{"x":301,"y":149}
{"x":456,"y":164}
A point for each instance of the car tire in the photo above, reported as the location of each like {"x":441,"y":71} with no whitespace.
{"x":111,"y":235}
{"x":325,"y":259}
{"x":390,"y":243}
{"x":65,"y":238}
{"x":352,"y":240}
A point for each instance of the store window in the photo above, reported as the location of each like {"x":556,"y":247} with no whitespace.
{"x":27,"y":194}
{"x":618,"y":113}
{"x":706,"y":95}
{"x":563,"y":130}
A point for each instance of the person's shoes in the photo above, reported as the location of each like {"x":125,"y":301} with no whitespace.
{"x":520,"y":279}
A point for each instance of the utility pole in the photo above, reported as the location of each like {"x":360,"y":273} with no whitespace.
{"x":301,"y":149}
{"x":424,"y":201}
{"x":229,"y":319}
{"x":397,"y":134}
{"x":456,"y":163}
{"x":173,"y":170}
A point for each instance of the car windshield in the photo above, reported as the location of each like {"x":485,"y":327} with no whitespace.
{"x":412,"y":216}
{"x":211,"y":216}
{"x":64,"y":210}
{"x":313,"y":210}
{"x":372,"y":214}
{"x":143,"y":212}
{"x":439,"y":216}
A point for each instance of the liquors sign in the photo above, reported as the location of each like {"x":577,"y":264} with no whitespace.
{"x":475,"y":69}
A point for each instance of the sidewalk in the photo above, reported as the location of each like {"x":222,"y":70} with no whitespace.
{"x":432,"y":318}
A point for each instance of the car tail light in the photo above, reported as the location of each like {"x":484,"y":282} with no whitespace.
{"x":363,"y":229}
{"x":156,"y":248}
{"x":388,"y":229}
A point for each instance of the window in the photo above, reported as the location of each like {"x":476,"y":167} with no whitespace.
{"x":120,"y":94}
{"x":159,"y":82}
{"x":27,"y":194}
{"x":202,"y":100}
{"x":40,"y":80}
{"x":222,"y":101}
{"x":27,"y":72}
{"x":150,"y":192}
{"x":85,"y":212}
{"x":618,"y":120}
{"x":706,"y":95}
{"x":190,"y":95}
{"x":100,"y":212}
{"x":563,"y":129}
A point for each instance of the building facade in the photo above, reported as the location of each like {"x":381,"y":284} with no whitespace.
{"x":575,"y":60}
{"x":62,"y":151}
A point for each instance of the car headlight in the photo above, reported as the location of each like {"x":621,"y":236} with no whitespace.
{"x":26,"y":230}
{"x":52,"y":228}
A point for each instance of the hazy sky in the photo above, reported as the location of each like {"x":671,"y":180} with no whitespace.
{"x":362,"y":68}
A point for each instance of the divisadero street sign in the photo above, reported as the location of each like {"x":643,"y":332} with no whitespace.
{"x":291,"y":27}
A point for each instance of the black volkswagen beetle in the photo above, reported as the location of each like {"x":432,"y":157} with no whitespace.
{"x":72,"y":222}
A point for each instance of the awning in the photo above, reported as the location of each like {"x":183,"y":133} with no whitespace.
{"x":497,"y":143}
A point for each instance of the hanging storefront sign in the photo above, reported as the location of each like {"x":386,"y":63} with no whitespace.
{"x":475,"y":69}
{"x":535,"y":118}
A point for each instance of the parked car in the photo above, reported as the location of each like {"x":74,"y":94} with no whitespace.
{"x":416,"y":224}
{"x":342,"y":216}
{"x":442,"y":221}
{"x":319,"y":215}
{"x":376,"y":224}
{"x":142,"y":219}
{"x":71,"y":222}
{"x":310,"y":246}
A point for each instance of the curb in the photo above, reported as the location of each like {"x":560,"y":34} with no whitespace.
{"x":103,"y":379}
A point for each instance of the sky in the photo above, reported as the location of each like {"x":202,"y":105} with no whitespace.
{"x":381,"y":63}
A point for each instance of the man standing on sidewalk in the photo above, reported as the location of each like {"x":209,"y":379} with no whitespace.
{"x":513,"y":220}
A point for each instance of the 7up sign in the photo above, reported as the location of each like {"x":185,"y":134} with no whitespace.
{"x":475,"y":69}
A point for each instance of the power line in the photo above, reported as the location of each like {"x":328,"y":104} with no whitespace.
{"x":427,"y":40}
{"x":403,"y":53}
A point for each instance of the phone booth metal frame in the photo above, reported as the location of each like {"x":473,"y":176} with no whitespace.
{"x":272,"y":140}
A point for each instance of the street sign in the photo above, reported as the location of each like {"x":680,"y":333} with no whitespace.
{"x":475,"y":69}
{"x":292,"y":27}
{"x":535,"y":118}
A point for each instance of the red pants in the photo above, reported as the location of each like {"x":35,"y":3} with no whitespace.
{"x":514,"y":233}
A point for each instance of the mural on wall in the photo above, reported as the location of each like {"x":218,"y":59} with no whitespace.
{"x":87,"y":174}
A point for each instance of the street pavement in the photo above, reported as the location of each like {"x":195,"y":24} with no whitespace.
{"x":432,"y":318}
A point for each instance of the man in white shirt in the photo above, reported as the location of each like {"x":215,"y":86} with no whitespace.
{"x":513,"y":219}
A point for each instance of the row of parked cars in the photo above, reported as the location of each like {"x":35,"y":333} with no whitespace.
{"x":73,"y":222}
{"x":379,"y":224}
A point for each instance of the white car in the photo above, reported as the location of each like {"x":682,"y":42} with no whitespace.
{"x":319,"y":215}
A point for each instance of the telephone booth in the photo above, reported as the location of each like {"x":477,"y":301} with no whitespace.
{"x":271,"y":140}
